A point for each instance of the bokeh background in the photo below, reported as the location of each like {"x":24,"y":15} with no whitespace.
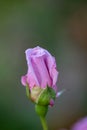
{"x":60,"y":26}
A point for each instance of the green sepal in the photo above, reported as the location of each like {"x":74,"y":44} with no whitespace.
{"x":27,"y":91}
{"x":45,"y":96}
{"x":41,"y":96}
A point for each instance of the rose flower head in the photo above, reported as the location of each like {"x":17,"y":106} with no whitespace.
{"x":41,"y":76}
{"x":80,"y":125}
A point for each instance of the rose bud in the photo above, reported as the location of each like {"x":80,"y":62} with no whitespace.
{"x":41,"y":77}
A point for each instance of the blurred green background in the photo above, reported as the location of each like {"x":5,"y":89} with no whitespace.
{"x":60,"y":26}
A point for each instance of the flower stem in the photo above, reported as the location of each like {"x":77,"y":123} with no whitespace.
{"x":44,"y":123}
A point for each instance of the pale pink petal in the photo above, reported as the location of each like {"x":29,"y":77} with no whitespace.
{"x":24,"y":80}
{"x":41,"y":68}
{"x":50,"y":60}
{"x":41,"y":71}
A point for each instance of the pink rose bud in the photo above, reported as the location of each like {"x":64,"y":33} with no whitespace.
{"x":80,"y":125}
{"x":41,"y":76}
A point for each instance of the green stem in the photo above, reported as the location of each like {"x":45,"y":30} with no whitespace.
{"x":44,"y":123}
{"x":42,"y":111}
